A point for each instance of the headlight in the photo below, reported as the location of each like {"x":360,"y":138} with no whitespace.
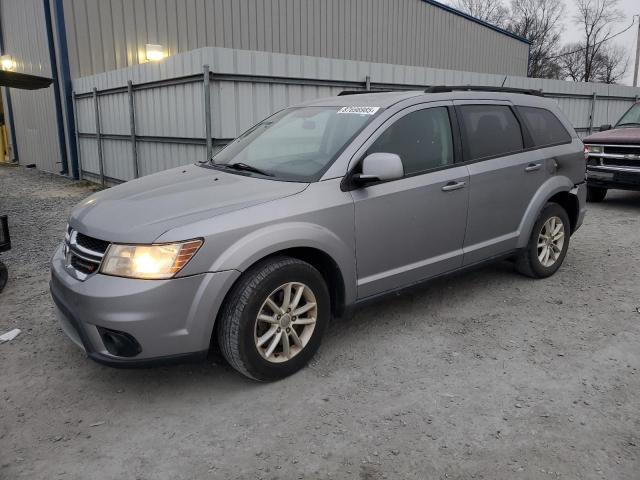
{"x":594,"y":148}
{"x":150,"y":262}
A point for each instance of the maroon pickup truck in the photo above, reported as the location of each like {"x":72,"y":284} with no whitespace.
{"x":614,"y":156}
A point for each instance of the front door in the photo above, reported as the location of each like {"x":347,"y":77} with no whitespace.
{"x":413,"y":228}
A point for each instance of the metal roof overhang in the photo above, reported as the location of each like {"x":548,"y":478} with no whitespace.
{"x":23,"y":81}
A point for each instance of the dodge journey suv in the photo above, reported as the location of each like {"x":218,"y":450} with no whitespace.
{"x":313,"y":211}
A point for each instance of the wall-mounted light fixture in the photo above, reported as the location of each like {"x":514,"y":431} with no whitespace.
{"x":7,"y":62}
{"x":154,"y":52}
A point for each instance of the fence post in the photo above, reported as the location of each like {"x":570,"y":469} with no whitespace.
{"x":207,"y":111}
{"x":96,"y":109}
{"x":593,"y":109}
{"x":132,"y":124}
{"x":367,"y":83}
{"x":74,"y":101}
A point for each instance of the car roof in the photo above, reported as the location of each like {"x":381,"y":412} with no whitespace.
{"x":387,"y":99}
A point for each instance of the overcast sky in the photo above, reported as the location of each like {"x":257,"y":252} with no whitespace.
{"x":628,"y":39}
{"x":571,"y":32}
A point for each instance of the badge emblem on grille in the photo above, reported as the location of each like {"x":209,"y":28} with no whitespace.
{"x":632,"y":156}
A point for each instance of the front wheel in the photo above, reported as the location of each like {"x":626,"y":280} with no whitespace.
{"x":272,"y":321}
{"x":548,"y":243}
{"x":596,"y":194}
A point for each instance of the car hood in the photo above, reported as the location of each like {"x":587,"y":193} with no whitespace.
{"x":617,"y":136}
{"x":141,"y":210}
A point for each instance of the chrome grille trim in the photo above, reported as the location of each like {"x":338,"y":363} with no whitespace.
{"x":74,"y":249}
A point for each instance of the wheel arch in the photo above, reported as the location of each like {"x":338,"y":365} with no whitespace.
{"x":556,"y":189}
{"x":311,"y":243}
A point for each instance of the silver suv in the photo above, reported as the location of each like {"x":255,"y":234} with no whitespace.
{"x":310,"y":213}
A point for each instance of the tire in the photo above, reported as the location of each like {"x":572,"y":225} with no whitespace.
{"x":529,"y":262}
{"x":596,"y":194}
{"x":239,"y":330}
{"x":4,"y":275}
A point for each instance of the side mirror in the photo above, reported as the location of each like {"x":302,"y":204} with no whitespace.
{"x":380,"y":167}
{"x":605,"y":127}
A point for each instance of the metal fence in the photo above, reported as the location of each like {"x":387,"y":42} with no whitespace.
{"x":143,"y":119}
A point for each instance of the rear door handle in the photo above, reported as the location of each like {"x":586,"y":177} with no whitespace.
{"x":532,"y":167}
{"x":453,"y":186}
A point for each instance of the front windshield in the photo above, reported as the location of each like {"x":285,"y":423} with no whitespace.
{"x":632,"y":117}
{"x":296,"y":144}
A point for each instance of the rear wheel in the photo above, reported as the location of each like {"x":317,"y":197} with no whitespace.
{"x":273,"y":319}
{"x":596,"y":194}
{"x":548,"y":243}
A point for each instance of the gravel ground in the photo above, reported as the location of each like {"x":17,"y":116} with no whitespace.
{"x":487,"y":375}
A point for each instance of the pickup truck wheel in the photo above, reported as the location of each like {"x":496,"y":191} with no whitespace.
{"x":596,"y":194}
{"x":548,"y":243}
{"x":272,"y":321}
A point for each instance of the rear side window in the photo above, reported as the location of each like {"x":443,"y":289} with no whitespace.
{"x":544,"y":126}
{"x":491,"y":130}
{"x":421,"y":139}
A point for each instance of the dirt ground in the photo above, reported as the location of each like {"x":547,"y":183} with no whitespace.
{"x":486,"y":375}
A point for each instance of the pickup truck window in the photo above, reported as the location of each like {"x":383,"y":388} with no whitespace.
{"x":631,"y":118}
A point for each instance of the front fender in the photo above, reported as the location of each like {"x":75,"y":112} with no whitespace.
{"x":274,"y":238}
{"x":548,"y":189}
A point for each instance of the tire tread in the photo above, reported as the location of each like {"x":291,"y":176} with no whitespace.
{"x":235,"y":303}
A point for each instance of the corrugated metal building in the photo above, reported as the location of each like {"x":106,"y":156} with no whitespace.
{"x":69,"y":39}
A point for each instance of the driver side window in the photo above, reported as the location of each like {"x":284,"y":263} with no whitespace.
{"x":422,"y":139}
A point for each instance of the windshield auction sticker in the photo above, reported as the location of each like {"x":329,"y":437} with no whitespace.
{"x":359,"y":110}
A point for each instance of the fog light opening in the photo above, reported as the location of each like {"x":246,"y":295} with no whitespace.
{"x":120,"y":344}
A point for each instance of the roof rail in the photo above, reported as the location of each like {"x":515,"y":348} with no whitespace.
{"x":362,"y":92}
{"x":482,"y":88}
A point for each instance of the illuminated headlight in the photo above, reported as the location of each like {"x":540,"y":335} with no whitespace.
{"x":594,"y":148}
{"x":149,"y":262}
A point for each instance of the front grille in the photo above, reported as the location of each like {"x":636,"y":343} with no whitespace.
{"x":622,"y":149}
{"x":85,"y":253}
{"x":621,"y":162}
{"x":90,"y":243}
{"x":84,"y":266}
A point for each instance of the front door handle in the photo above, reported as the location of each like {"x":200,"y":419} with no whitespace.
{"x":453,"y":186}
{"x":532,"y":167}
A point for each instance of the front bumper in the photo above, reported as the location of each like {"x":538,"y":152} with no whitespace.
{"x":172,"y":320}
{"x":613,"y":177}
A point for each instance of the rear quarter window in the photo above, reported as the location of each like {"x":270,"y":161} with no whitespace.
{"x":544,"y":127}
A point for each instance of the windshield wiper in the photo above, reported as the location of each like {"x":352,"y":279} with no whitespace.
{"x":628,"y":123}
{"x":246,"y":168}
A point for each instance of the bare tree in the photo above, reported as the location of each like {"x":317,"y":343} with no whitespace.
{"x":539,"y":21}
{"x":491,"y":11}
{"x":571,"y":62}
{"x":596,"y":17}
{"x":611,"y":64}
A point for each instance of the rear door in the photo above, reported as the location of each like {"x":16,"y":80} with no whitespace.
{"x":505,"y":173}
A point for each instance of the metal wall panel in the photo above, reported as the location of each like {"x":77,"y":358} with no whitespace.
{"x":111,"y":34}
{"x":174,"y":111}
{"x":34,"y":115}
{"x":154,"y":157}
{"x":248,"y":86}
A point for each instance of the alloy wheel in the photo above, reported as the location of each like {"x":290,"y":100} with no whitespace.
{"x":550,"y":241}
{"x":285,"y":322}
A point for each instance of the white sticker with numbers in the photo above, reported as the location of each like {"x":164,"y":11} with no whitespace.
{"x":359,"y":110}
